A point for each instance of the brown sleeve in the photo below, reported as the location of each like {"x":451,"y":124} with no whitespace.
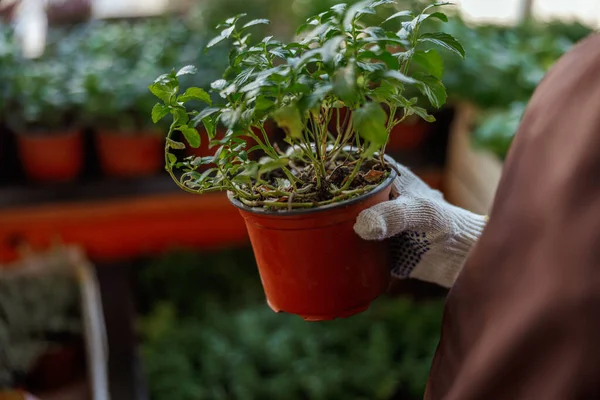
{"x":523,"y":319}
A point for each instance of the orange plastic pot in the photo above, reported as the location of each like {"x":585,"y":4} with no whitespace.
{"x":129,"y":155}
{"x":52,"y":157}
{"x":408,"y":135}
{"x":313,"y":264}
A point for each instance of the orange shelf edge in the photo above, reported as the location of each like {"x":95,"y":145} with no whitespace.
{"x":124,"y":228}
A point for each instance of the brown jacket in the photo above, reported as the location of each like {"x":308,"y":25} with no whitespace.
{"x":523,"y":319}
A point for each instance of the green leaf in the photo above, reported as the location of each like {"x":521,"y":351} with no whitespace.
{"x":386,"y":57}
{"x":210,"y":126}
{"x":249,"y":172}
{"x":399,"y":76}
{"x":421,"y":112}
{"x":232,"y":20}
{"x":378,"y":3}
{"x":344,"y":85}
{"x":438,"y":4}
{"x":444,"y":40}
{"x":191,"y":135}
{"x":370,"y":123}
{"x":195,"y":93}
{"x":216,"y":40}
{"x":159,"y":111}
{"x":355,"y":11}
{"x":330,"y":49}
{"x":307,"y":25}
{"x":288,"y":118}
{"x":273,"y":165}
{"x":203,"y":114}
{"x":256,"y":22}
{"x":226,"y":33}
{"x":172,"y":158}
{"x":175,"y":145}
{"x":433,"y":88}
{"x":262,"y":103}
{"x":398,"y":15}
{"x":187,"y":70}
{"x":438,"y":15}
{"x":162,"y":91}
{"x":180,"y":116}
{"x":219,"y":84}
{"x":431,"y":61}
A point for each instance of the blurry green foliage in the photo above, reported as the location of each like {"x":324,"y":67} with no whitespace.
{"x":96,"y":73}
{"x":211,"y":336}
{"x":505,"y":64}
{"x":503,"y":67}
{"x":496,"y":128}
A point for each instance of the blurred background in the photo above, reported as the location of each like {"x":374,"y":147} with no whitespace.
{"x":166,"y":279}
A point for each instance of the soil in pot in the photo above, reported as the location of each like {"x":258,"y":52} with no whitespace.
{"x":51,"y":157}
{"x":312,"y":263}
{"x":125,"y":154}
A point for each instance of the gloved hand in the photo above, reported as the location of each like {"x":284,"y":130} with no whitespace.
{"x":430,"y":239}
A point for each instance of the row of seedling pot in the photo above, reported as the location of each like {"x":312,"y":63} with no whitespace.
{"x":59,"y":156}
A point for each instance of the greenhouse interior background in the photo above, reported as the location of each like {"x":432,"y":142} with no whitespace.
{"x":116,"y":284}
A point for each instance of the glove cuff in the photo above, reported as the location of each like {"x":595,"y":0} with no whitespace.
{"x":468,"y":229}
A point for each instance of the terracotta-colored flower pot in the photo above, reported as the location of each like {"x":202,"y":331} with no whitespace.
{"x":52,"y":157}
{"x":313,"y":264}
{"x":130,"y":155}
{"x":408,"y":135}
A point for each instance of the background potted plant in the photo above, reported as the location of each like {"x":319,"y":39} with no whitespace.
{"x":300,"y":203}
{"x":111,"y":68}
{"x":9,"y":59}
{"x":43,"y":113}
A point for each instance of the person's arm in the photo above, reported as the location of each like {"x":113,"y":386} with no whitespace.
{"x":522,"y":321}
{"x":429,"y":238}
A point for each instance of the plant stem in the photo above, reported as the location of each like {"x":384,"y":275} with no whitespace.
{"x":279,"y":204}
{"x":352,"y":175}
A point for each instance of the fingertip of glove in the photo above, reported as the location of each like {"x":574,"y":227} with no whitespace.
{"x":370,"y":225}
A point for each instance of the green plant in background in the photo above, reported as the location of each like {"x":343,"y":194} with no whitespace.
{"x":339,"y":63}
{"x":115,"y":60}
{"x":35,"y":310}
{"x":496,"y":128}
{"x":10,"y":58}
{"x":96,"y":73}
{"x":196,"y":282}
{"x":505,"y":64}
{"x":45,"y":97}
{"x":255,"y":354}
{"x":207,"y":335}
{"x":503,"y":68}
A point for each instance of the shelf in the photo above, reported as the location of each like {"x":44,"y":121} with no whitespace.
{"x":123,"y":227}
{"x":106,"y":189}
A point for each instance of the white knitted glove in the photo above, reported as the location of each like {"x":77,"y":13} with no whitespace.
{"x":430,"y":239}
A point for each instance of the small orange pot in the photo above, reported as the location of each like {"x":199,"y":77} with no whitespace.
{"x":408,"y":135}
{"x":129,"y":155}
{"x":313,"y":264}
{"x":52,"y":157}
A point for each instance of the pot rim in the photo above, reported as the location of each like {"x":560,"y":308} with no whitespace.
{"x":261,"y":211}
